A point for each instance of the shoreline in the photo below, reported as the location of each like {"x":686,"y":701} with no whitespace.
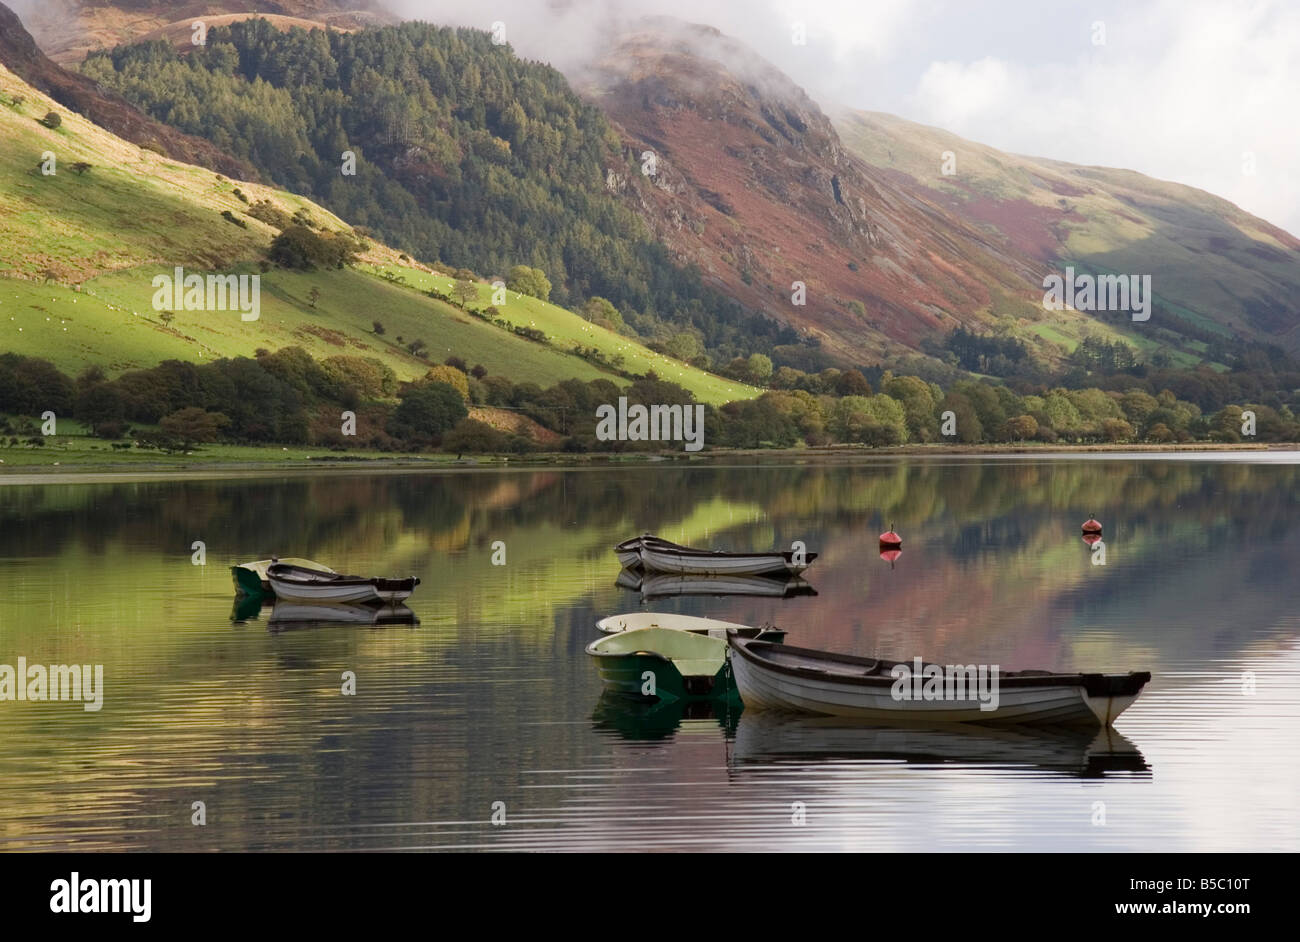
{"x":198,"y":466}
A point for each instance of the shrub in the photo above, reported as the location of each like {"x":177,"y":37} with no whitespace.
{"x":301,"y":248}
{"x":427,"y":411}
{"x":471,"y":435}
{"x":267,"y":212}
{"x":110,"y":430}
{"x":452,"y":377}
{"x":51,"y":120}
{"x":529,"y":281}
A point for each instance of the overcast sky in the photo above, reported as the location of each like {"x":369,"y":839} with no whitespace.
{"x":1184,"y":90}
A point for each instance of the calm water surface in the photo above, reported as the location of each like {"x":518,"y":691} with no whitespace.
{"x":490,"y":698}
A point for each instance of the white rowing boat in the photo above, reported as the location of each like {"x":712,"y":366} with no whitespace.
{"x":654,"y":554}
{"x":250,"y":578}
{"x":800,"y":680}
{"x":308,"y":585}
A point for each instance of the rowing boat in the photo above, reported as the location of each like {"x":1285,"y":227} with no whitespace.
{"x":663,"y":663}
{"x":310,"y":585}
{"x":629,"y":551}
{"x":654,"y":554}
{"x":250,"y":578}
{"x":635,"y":621}
{"x":800,"y":680}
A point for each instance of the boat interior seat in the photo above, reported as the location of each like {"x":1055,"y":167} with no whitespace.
{"x":697,"y":666}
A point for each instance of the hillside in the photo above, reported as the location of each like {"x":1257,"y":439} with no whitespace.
{"x":472,"y":158}
{"x":19,"y":51}
{"x":760,"y":188}
{"x":754,"y":185}
{"x":465,"y":156}
{"x":1215,"y":267}
{"x":78,"y":252}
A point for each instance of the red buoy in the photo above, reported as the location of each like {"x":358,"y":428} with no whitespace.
{"x":891,"y":539}
{"x":1092,"y":525}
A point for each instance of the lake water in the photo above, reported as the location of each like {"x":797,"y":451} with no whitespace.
{"x":490,"y":702}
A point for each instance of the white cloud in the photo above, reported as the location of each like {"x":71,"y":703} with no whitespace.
{"x":1180,"y":91}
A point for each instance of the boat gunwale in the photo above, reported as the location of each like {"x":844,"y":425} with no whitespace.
{"x":1094,"y":684}
{"x":300,"y":576}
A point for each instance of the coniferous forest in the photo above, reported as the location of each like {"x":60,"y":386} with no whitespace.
{"x":464,"y":154}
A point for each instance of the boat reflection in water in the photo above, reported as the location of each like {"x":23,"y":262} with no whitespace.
{"x":288,"y":616}
{"x":669,"y":585}
{"x":767,"y":739}
{"x":248,"y":608}
{"x":284,"y":615}
{"x":648,"y":721}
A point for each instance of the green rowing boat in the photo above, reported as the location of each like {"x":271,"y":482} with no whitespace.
{"x":664,"y":664}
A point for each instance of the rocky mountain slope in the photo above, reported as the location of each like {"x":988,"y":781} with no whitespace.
{"x":752,"y":182}
{"x":760,"y":187}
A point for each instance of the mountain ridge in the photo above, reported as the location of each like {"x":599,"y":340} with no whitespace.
{"x":759,"y":187}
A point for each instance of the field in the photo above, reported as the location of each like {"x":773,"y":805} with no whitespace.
{"x":565,"y":330}
{"x":79,"y":251}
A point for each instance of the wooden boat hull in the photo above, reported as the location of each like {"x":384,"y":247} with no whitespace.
{"x":629,"y":551}
{"x":333,"y":594}
{"x":799,"y":680}
{"x":629,"y":676}
{"x":656,"y":663}
{"x":654,"y":554}
{"x":680,"y":562}
{"x":295,"y":583}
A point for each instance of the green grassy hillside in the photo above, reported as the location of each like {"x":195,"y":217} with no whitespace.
{"x":78,"y":252}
